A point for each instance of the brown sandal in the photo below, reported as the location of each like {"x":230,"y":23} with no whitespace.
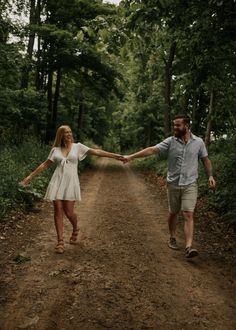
{"x":60,"y":246}
{"x":74,"y":236}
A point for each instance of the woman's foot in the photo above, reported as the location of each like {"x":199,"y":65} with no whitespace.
{"x":74,"y":236}
{"x":60,"y":246}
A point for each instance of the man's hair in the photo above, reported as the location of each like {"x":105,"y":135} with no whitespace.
{"x":186,"y":119}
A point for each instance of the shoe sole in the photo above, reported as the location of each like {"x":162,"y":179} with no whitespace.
{"x":172,"y":247}
{"x":58,"y":251}
{"x":192,"y":254}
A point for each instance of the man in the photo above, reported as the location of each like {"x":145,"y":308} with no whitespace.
{"x":184,"y":151}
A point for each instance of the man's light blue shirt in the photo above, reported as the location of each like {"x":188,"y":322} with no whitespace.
{"x":183,"y":158}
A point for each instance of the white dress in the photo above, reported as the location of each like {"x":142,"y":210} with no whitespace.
{"x":64,"y":184}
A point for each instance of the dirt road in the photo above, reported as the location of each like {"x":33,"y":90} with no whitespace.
{"x":121,"y":274}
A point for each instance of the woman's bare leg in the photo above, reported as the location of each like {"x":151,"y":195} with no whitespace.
{"x":58,"y":219}
{"x":68,"y":207}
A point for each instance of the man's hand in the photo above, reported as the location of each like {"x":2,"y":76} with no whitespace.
{"x":126,"y":159}
{"x":211,"y":182}
{"x":121,"y":158}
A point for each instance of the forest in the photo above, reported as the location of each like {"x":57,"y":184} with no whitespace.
{"x":117,"y":75}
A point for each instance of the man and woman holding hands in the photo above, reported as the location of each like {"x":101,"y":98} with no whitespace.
{"x":183,"y":149}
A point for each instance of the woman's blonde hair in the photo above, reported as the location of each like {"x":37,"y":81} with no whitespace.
{"x":58,"y":142}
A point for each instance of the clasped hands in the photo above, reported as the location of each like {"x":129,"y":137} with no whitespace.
{"x":123,"y":159}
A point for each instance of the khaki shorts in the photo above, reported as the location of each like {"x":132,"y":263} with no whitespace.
{"x":182,"y":198}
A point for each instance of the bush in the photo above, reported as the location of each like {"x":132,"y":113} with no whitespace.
{"x":112,"y":143}
{"x":223,"y":198}
{"x":16,"y":163}
{"x":157,"y":164}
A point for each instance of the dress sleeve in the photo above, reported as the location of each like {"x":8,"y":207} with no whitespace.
{"x":82,"y":151}
{"x":51,"y":155}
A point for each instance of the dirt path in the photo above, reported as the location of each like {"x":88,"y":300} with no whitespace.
{"x":120,"y":276}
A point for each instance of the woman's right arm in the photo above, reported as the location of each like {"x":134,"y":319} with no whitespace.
{"x":38,"y":170}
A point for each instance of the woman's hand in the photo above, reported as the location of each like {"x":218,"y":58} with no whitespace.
{"x":127,"y":159}
{"x":26,"y":181}
{"x":120,"y":157}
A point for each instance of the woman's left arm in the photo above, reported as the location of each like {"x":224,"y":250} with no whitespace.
{"x":103,"y":153}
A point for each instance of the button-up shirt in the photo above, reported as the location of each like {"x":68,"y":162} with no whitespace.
{"x":182,"y":158}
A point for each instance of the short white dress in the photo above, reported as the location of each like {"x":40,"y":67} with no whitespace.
{"x":64,"y":184}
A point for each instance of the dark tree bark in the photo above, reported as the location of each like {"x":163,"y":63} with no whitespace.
{"x":80,"y":117}
{"x":39,"y":74}
{"x":81,"y":110}
{"x":49,"y":133}
{"x":56,"y":98}
{"x":194,"y":112}
{"x":209,"y":121}
{"x":185,"y":103}
{"x":167,"y":93}
{"x":30,"y":47}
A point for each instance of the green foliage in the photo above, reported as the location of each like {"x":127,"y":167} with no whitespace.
{"x":20,"y":259}
{"x":223,"y":199}
{"x":112,"y":143}
{"x":203,"y":59}
{"x":25,"y":110}
{"x":156,"y":163}
{"x":16,"y":163}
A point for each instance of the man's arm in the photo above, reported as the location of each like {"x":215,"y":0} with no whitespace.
{"x":143,"y":153}
{"x":208,"y":167}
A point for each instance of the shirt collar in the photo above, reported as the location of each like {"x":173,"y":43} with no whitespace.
{"x":192,"y":137}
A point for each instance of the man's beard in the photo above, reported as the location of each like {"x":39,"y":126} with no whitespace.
{"x":180,"y":132}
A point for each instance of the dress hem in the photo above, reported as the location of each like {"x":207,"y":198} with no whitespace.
{"x":62,"y":199}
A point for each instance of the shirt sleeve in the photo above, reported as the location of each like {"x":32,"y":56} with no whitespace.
{"x":51,"y":155}
{"x":82,"y":151}
{"x":164,"y":145}
{"x":202,"y":150}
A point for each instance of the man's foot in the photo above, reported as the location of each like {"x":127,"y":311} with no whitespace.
{"x":190,"y":253}
{"x":172,"y":243}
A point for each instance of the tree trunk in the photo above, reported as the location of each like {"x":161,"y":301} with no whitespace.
{"x":56,"y":98}
{"x":50,"y":107}
{"x":185,"y":103}
{"x":168,"y":74}
{"x":30,"y":47}
{"x":80,"y":117}
{"x":194,"y":112}
{"x":209,"y":121}
{"x":38,"y":73}
{"x":81,"y":110}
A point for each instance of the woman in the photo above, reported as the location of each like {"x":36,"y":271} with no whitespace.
{"x":64,"y":186}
